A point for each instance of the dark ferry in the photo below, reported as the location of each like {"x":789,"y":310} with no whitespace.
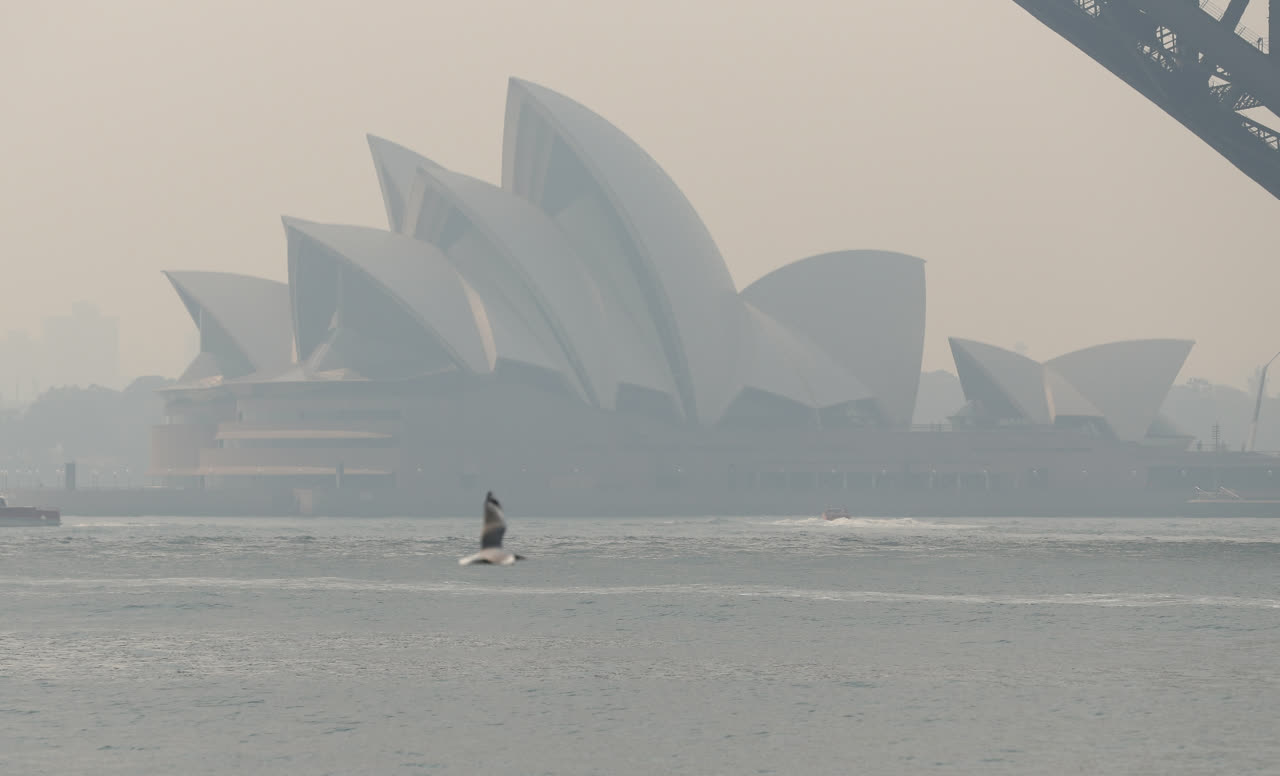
{"x":27,"y":516}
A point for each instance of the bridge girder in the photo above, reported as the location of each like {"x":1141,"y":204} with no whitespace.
{"x":1194,"y":65}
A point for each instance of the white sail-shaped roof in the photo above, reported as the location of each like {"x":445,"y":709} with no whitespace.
{"x":508,"y":249}
{"x":397,"y":168}
{"x":1126,"y":381}
{"x":865,"y":308}
{"x":1066,"y":399}
{"x":555,"y":279}
{"x":411,"y":273}
{"x":568,"y":160}
{"x":1000,"y":379}
{"x":780,"y":362}
{"x":545,"y":265}
{"x":639,"y":356}
{"x":243,"y":321}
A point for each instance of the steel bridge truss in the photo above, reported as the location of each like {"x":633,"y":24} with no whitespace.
{"x":1191,"y":58}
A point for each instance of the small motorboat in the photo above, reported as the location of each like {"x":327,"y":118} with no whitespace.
{"x":831,"y":513}
{"x":28,"y":516}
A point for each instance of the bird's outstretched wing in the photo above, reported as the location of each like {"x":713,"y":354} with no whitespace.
{"x":494,"y":525}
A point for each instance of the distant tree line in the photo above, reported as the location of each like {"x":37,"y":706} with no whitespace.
{"x":1197,"y":405}
{"x":104,"y":430}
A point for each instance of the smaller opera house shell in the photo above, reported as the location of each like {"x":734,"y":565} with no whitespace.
{"x":1114,"y":390}
{"x":574,"y":326}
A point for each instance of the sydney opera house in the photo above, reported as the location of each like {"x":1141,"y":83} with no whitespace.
{"x":572,"y":338}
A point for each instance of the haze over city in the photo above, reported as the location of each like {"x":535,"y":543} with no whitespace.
{"x":862,"y":386}
{"x":1055,"y":207}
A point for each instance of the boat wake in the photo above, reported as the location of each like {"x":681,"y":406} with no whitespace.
{"x":876,"y":523}
{"x":14,"y":587}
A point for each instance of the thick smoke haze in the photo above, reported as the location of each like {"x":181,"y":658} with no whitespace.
{"x":1055,"y":206}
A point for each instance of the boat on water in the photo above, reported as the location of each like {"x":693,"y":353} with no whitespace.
{"x":1225,"y":502}
{"x":28,"y":516}
{"x":1226,"y":496}
{"x":831,"y":513}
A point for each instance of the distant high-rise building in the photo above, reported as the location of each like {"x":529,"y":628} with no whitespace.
{"x":82,"y":348}
{"x":19,"y":364}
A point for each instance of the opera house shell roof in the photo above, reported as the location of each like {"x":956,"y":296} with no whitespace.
{"x":243,"y":322}
{"x":1118,"y":387}
{"x":586,"y":270}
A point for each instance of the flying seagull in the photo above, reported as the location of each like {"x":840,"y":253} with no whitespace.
{"x":491,"y":538}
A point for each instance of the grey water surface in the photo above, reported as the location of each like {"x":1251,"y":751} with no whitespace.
{"x":625,"y":646}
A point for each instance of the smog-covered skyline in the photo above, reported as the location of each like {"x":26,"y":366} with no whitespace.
{"x":1055,"y":206}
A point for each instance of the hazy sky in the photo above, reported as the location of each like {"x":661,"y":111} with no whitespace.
{"x":1055,"y":206}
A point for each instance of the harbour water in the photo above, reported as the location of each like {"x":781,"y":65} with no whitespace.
{"x":699,"y":646}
